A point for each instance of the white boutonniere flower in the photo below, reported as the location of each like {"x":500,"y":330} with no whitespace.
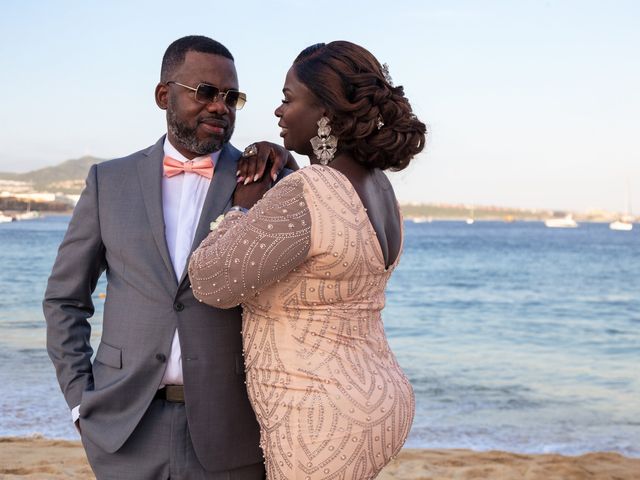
{"x":213,"y":225}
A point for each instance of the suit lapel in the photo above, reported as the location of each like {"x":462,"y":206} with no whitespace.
{"x":150,"y":175}
{"x":218,"y":196}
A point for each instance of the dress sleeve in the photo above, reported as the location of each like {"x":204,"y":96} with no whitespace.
{"x":247,"y":252}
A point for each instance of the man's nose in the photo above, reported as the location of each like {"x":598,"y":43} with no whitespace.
{"x":217,"y":106}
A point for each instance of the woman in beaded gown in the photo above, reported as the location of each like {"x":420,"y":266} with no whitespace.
{"x":309,"y":263}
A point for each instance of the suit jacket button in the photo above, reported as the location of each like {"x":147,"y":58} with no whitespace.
{"x":161,"y":357}
{"x":178,"y":307}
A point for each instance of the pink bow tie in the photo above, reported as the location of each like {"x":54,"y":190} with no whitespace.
{"x":173,"y":167}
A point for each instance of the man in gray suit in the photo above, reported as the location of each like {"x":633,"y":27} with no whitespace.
{"x":165,"y":396}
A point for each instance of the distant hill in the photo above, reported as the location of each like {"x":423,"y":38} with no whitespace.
{"x":476,"y":212}
{"x":66,"y":177}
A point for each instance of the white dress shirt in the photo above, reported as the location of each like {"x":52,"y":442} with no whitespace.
{"x":182,"y":201}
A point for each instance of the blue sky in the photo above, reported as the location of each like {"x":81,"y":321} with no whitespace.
{"x":529,"y":103}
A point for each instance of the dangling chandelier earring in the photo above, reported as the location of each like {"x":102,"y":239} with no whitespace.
{"x":324,"y":145}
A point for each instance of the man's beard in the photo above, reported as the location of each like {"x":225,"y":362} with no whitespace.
{"x":188,"y":139}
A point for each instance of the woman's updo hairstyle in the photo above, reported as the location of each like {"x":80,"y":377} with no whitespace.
{"x":350,"y":82}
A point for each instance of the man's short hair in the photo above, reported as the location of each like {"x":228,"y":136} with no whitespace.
{"x":176,"y":52}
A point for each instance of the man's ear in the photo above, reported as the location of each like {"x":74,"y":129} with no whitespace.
{"x":162,"y":96}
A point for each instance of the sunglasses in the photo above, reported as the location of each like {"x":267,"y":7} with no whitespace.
{"x":205,"y":93}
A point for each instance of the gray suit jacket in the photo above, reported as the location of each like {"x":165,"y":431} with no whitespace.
{"x":118,"y":227}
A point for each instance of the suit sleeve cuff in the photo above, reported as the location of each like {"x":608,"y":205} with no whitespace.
{"x":75,"y":414}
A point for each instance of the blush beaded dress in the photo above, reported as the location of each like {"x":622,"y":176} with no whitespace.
{"x":306,"y":265}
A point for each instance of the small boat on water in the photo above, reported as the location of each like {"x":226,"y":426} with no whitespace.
{"x":5,"y":219}
{"x":421,"y":219}
{"x":28,"y":215}
{"x":621,"y":226}
{"x":562,"y":222}
{"x":471,"y":219}
{"x":624,"y":222}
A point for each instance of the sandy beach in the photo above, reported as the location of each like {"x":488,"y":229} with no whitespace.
{"x":40,"y":458}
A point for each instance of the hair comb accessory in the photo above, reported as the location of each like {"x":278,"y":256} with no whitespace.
{"x":387,"y":75}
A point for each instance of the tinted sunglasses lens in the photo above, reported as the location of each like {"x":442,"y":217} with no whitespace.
{"x":242,"y":99}
{"x":234,"y":99}
{"x":206,"y":93}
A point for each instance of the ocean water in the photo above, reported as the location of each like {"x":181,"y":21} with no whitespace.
{"x":515,"y":337}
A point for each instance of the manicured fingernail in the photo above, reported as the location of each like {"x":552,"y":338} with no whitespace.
{"x":248,"y":180}
{"x":274,"y":176}
{"x":240,"y":179}
{"x":237,"y":173}
{"x":256,"y":177}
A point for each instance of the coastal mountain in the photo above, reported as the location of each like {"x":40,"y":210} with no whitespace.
{"x":66,"y":177}
{"x":69,"y":176}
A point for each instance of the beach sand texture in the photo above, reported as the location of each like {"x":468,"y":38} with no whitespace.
{"x":43,"y":459}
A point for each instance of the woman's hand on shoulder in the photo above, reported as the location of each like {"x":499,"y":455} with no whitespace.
{"x":247,"y":194}
{"x":257,"y":158}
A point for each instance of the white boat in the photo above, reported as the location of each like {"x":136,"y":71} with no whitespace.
{"x":621,"y":226}
{"x":421,"y":219}
{"x":625,"y":222}
{"x":471,"y":219}
{"x":564,"y":222}
{"x":4,"y":218}
{"x":28,"y":215}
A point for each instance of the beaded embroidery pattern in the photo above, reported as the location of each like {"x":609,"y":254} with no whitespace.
{"x":329,"y":395}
